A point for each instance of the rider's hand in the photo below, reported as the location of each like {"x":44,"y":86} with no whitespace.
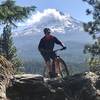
{"x":63,"y":48}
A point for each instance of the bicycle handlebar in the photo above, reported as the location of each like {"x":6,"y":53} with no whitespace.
{"x":59,"y":49}
{"x":54,"y":50}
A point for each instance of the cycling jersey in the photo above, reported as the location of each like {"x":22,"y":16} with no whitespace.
{"x":47,"y":43}
{"x":46,"y":46}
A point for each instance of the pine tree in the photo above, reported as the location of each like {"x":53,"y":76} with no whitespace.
{"x":93,"y":28}
{"x":10,"y":13}
{"x":1,"y":51}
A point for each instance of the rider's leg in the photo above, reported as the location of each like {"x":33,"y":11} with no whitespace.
{"x":57,"y":66}
{"x":51,"y":70}
{"x":48,"y":64}
{"x":53,"y":56}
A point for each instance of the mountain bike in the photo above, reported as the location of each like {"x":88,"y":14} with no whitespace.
{"x":63,"y":68}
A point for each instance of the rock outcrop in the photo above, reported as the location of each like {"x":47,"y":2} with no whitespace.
{"x":83,"y":86}
{"x":33,"y":87}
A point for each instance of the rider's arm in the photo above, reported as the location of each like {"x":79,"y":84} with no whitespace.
{"x":40,"y":46}
{"x":59,"y":42}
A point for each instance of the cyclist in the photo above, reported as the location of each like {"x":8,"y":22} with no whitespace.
{"x":46,"y":46}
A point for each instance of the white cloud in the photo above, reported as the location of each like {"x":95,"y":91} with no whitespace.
{"x":46,"y":15}
{"x":51,"y":18}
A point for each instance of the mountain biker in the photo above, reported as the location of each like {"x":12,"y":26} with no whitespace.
{"x":46,"y":46}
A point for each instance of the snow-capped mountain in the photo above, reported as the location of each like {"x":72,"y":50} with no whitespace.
{"x":63,"y":26}
{"x":52,"y":18}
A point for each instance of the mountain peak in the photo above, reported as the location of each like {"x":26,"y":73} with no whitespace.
{"x":52,"y":18}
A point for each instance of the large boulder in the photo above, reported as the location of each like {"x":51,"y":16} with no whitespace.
{"x":34,"y":87}
{"x":28,"y":87}
{"x":83,"y":86}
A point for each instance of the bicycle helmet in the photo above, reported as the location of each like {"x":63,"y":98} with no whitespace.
{"x":47,"y":31}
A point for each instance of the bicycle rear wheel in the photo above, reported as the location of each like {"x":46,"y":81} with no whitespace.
{"x":63,"y":68}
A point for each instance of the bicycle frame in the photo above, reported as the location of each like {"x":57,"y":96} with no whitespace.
{"x":53,"y":67}
{"x":53,"y":62}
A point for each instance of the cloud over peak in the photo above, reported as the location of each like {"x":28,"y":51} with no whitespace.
{"x":47,"y":14}
{"x":52,"y":18}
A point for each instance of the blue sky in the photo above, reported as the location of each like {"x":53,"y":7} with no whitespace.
{"x":74,"y":7}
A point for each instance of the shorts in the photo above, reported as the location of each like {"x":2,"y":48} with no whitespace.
{"x":48,"y":55}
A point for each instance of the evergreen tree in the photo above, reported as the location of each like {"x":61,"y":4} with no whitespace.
{"x":10,"y":13}
{"x":8,"y":47}
{"x":1,"y":46}
{"x":93,"y":28}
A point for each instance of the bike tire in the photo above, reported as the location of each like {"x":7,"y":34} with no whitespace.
{"x":63,"y":68}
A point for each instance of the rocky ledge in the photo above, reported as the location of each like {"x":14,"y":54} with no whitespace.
{"x":83,"y":86}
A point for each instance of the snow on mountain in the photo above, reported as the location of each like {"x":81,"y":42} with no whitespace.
{"x":52,"y":18}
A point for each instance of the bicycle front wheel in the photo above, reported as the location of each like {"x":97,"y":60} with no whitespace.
{"x":63,"y":68}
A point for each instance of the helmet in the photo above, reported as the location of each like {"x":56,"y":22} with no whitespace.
{"x":47,"y":30}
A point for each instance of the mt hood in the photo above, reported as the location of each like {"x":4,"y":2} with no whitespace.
{"x":52,"y":18}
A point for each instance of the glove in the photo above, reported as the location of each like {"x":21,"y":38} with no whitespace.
{"x":63,"y":48}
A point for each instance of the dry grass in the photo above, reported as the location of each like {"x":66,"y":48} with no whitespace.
{"x":6,"y":69}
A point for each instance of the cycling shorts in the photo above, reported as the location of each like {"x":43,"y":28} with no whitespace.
{"x":48,"y":55}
